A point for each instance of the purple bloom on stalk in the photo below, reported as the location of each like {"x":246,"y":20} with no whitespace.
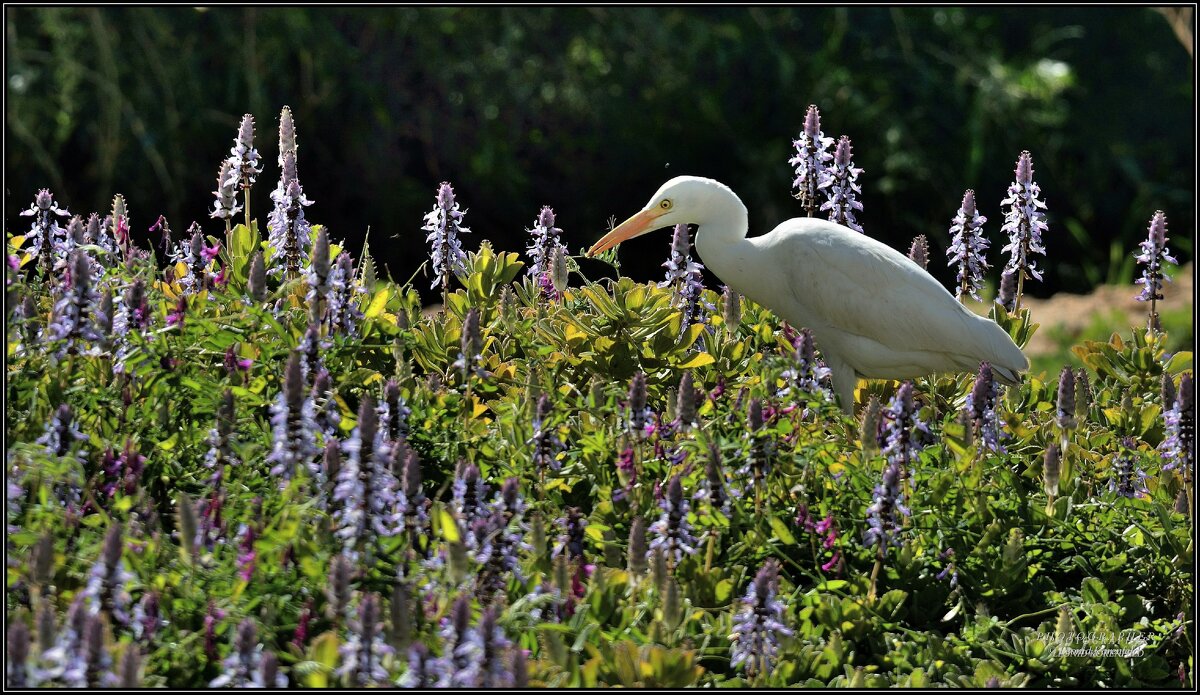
{"x":900,"y":437}
{"x":469,"y":495}
{"x":840,"y":182}
{"x":1065,"y":410}
{"x":1127,"y":479}
{"x":179,"y":313}
{"x":61,"y":434}
{"x":812,"y":154}
{"x":147,"y":617}
{"x":1024,"y":222}
{"x":638,"y":412}
{"x":759,"y":624}
{"x":982,"y":408}
{"x":919,"y":251}
{"x":498,"y":540}
{"x":1178,"y":444}
{"x":292,"y":425}
{"x":106,"y":586}
{"x":684,"y":274}
{"x":1153,"y":254}
{"x":343,"y":315}
{"x":326,"y":414}
{"x":73,"y":319}
{"x":45,"y":231}
{"x":410,"y":501}
{"x":545,"y":441}
{"x":364,"y":649}
{"x":17,"y":671}
{"x":672,"y":532}
{"x":482,"y":653}
{"x":226,"y":205}
{"x":470,"y":356}
{"x":968,"y":248}
{"x":422,"y":668}
{"x":122,"y":472}
{"x":245,"y":164}
{"x":571,"y":540}
{"x":808,"y":374}
{"x":243,"y":666}
{"x":246,"y":553}
{"x":366,"y":486}
{"x":541,"y":248}
{"x":884,"y":514}
{"x":444,"y":224}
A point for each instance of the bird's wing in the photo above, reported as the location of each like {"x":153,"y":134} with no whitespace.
{"x":865,"y":288}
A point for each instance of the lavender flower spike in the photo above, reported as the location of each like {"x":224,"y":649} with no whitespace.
{"x":840,"y":183}
{"x":1178,"y":444}
{"x":293,"y":425}
{"x":287,"y":133}
{"x":362,"y":653}
{"x":672,"y":531}
{"x":243,"y":666}
{"x":545,"y":240}
{"x":968,"y":248}
{"x":1154,"y":254}
{"x":366,"y":485}
{"x":246,"y":164}
{"x":444,"y":224}
{"x":73,"y":314}
{"x":45,"y":231}
{"x":1025,"y":222}
{"x":919,"y":251}
{"x":812,"y":153}
{"x":759,"y":624}
{"x":685,"y":275}
{"x":982,"y":406}
{"x":226,"y":205}
{"x":884,"y":514}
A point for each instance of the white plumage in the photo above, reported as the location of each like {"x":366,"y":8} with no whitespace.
{"x":872,"y":311}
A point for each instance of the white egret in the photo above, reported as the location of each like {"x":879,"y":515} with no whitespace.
{"x":872,"y":311}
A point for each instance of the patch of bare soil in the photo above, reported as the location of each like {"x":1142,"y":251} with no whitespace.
{"x":1073,"y":313}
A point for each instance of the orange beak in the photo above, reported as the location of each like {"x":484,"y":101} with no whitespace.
{"x":634,"y":226}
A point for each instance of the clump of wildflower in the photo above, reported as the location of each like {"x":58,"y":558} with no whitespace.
{"x":760,"y":457}
{"x":968,"y":248}
{"x":106,"y":587}
{"x":541,"y":248}
{"x":900,"y":438}
{"x":759,"y":624}
{"x":470,"y":356}
{"x":245,"y":163}
{"x":326,"y":414}
{"x":73,"y":319}
{"x":177,"y":315}
{"x":45,"y":232}
{"x":243,"y":666}
{"x":812,"y":154}
{"x":366,"y":486}
{"x":226,"y":205}
{"x":62,"y":433}
{"x":1153,"y":255}
{"x":570,"y":542}
{"x":672,"y":532}
{"x":147,"y":616}
{"x":309,"y":349}
{"x":1127,"y":479}
{"x":292,"y":425}
{"x":884,"y":514}
{"x":840,"y":183}
{"x":985,"y":393}
{"x":338,"y":589}
{"x":247,"y":534}
{"x":499,"y":538}
{"x":393,"y":412}
{"x":343,"y":315}
{"x":410,"y":502}
{"x":123,"y":472}
{"x":950,"y":570}
{"x":96,"y":234}
{"x":545,"y":442}
{"x":1025,"y":223}
{"x":685,"y":275}
{"x":919,"y":251}
{"x":807,"y":375}
{"x":444,"y":224}
{"x":714,"y":481}
{"x":1178,"y":444}
{"x":196,"y":256}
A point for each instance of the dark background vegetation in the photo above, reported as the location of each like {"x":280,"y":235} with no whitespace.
{"x":590,"y":110}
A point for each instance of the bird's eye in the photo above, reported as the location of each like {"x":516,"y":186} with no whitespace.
{"x":665,"y":204}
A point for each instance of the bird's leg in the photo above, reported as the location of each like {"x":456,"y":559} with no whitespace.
{"x":844,"y":380}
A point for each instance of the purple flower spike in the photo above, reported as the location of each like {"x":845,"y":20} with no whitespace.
{"x":672,"y":532}
{"x":1153,"y":254}
{"x":226,"y":205}
{"x":1025,"y":222}
{"x":246,"y":164}
{"x":840,"y":183}
{"x":808,"y":375}
{"x":293,"y":424}
{"x":759,"y":624}
{"x":546,"y":238}
{"x":45,"y":231}
{"x":1178,"y":445}
{"x":366,"y":485}
{"x":444,"y":224}
{"x":685,"y":275}
{"x":968,"y":248}
{"x":812,"y":154}
{"x":982,"y":407}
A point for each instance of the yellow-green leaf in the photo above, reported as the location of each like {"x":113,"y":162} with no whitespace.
{"x":698,"y":360}
{"x":449,"y":527}
{"x":782,"y":532}
{"x":378,"y":303}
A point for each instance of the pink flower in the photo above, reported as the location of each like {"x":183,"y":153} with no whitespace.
{"x":211,"y":252}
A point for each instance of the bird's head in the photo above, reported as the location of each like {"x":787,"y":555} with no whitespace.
{"x":682,"y":200}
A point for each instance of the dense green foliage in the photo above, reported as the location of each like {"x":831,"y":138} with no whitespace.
{"x":990,"y":573}
{"x":590,"y":110}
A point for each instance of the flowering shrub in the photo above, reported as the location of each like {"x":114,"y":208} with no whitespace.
{"x":297,"y":478}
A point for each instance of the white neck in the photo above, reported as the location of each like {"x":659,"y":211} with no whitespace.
{"x":722,"y":225}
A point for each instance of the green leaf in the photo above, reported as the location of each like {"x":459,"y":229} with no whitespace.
{"x":781,"y":531}
{"x":698,"y":360}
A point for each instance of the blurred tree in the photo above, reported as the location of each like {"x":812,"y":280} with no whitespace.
{"x":589,"y":110}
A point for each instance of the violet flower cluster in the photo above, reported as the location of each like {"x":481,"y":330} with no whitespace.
{"x":1178,"y":445}
{"x":807,"y":375}
{"x":344,"y":315}
{"x":981,"y":405}
{"x":545,"y":241}
{"x":73,"y":319}
{"x":810,"y":160}
{"x":247,"y":666}
{"x":902,"y":432}
{"x":366,"y":486}
{"x":840,"y":183}
{"x":1127,"y":479}
{"x":363,"y":651}
{"x":760,"y":622}
{"x":46,"y":235}
{"x":1025,"y":222}
{"x":106,"y":588}
{"x":1153,"y":254}
{"x":545,"y":441}
{"x":885,"y":513}
{"x":293,"y":425}
{"x":968,"y":248}
{"x":444,"y":224}
{"x":672,"y":532}
{"x":685,"y":275}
